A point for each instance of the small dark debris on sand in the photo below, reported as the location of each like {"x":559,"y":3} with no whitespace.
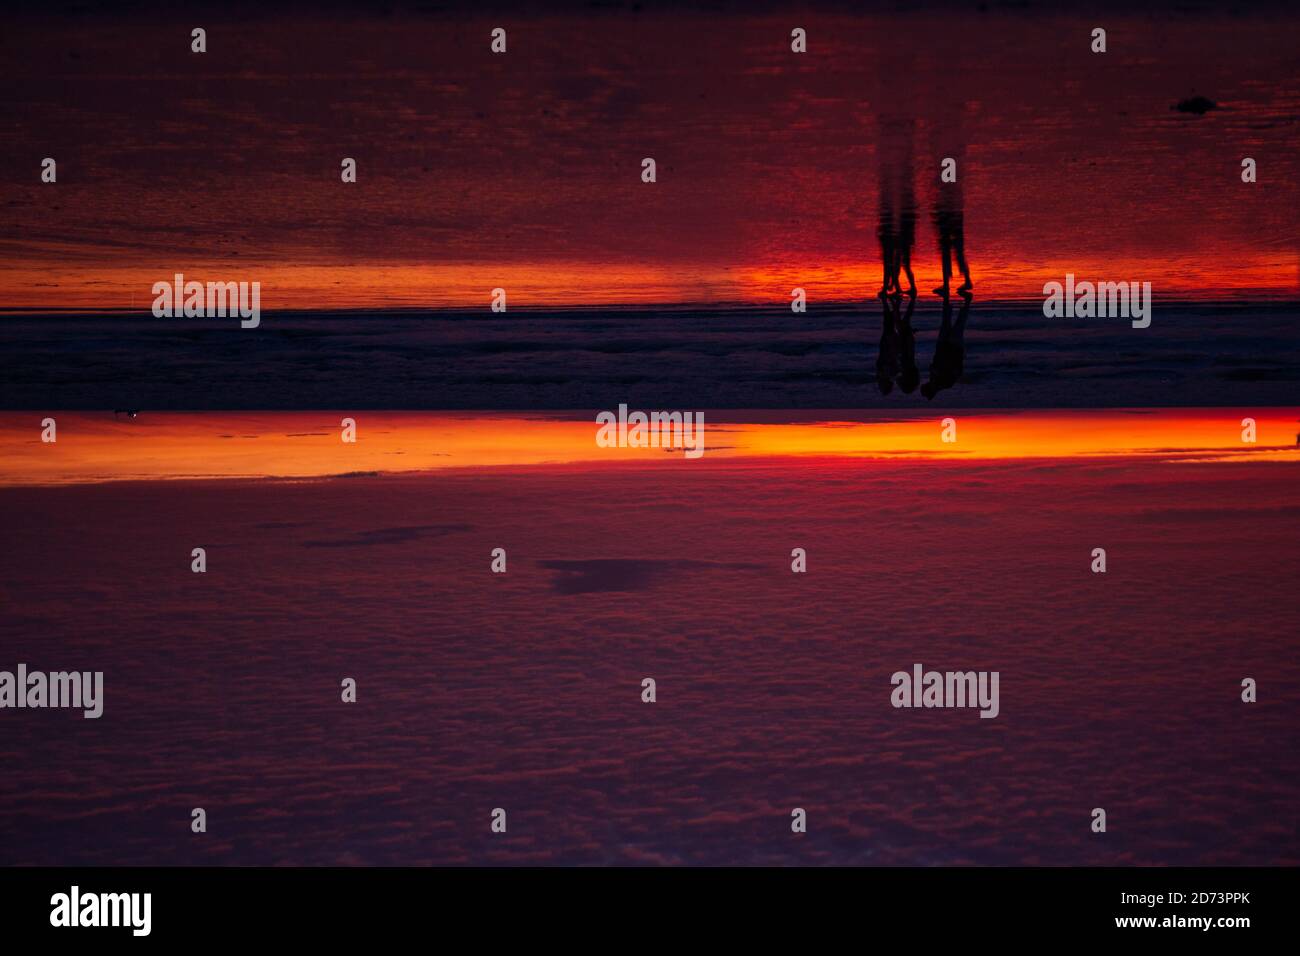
{"x":1197,"y":105}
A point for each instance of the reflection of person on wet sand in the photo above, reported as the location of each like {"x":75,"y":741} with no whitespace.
{"x":896,"y":361}
{"x":910,"y":376}
{"x":949,"y":350}
{"x":887,"y":360}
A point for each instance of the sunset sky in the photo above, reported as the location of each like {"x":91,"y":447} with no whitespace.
{"x":522,"y":170}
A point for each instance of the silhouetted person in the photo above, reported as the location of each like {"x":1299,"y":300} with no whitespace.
{"x":949,"y":351}
{"x":950,"y":231}
{"x":887,"y":233}
{"x":906,"y":232}
{"x":949,"y":142}
{"x":896,"y":228}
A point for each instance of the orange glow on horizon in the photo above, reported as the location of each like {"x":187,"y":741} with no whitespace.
{"x":44,"y":286}
{"x":93,"y":447}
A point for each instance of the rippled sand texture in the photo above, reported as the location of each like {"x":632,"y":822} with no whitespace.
{"x":522,"y":691}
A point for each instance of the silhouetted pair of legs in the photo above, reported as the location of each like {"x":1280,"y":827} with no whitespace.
{"x":897,"y":233}
{"x":952,"y":245}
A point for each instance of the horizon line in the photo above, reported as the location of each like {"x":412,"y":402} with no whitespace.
{"x":1252,"y":297}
